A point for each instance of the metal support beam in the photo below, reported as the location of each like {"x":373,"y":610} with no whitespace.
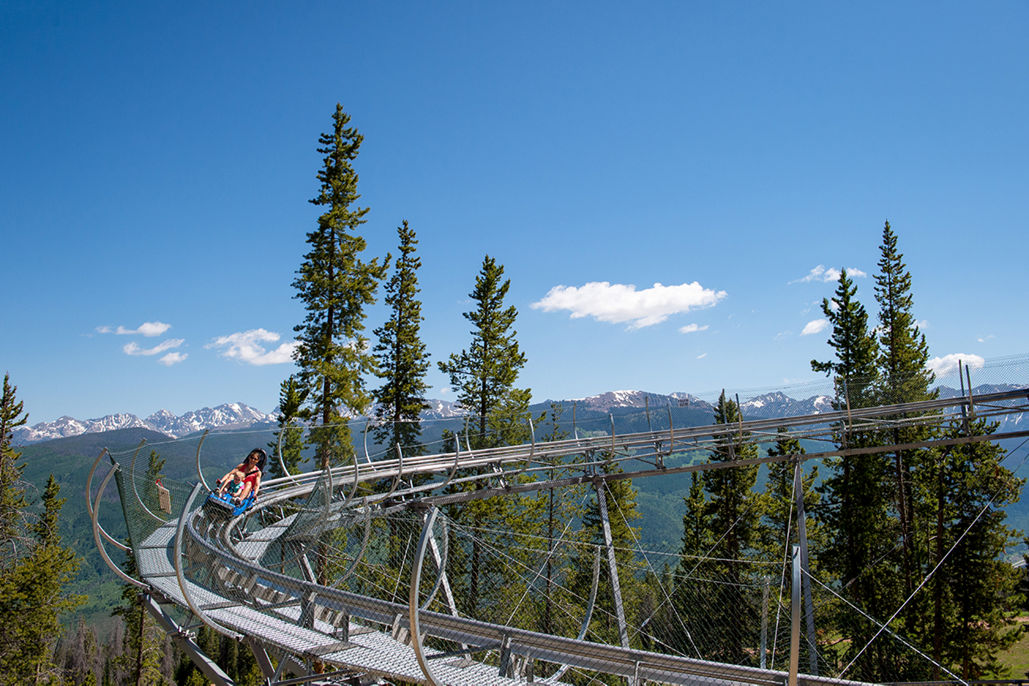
{"x":795,"y":619}
{"x":205,"y":664}
{"x":616,"y":589}
{"x":798,"y":489}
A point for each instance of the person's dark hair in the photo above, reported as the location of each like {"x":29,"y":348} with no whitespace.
{"x":262,"y":457}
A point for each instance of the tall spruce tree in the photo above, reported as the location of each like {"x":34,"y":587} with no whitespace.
{"x":903,"y":377}
{"x":686,"y":629}
{"x":973,"y":597}
{"x":401,"y":355}
{"x":35,"y":566}
{"x":484,"y":376}
{"x":289,"y":437}
{"x":336,"y":284}
{"x":33,"y":596}
{"x":855,"y":508}
{"x":733,"y":511}
{"x":485,"y":373}
{"x":12,"y":492}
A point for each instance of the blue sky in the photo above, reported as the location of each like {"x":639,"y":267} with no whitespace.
{"x":157,"y":161}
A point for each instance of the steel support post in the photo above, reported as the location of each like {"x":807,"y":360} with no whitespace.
{"x":205,"y":664}
{"x":764,"y":625}
{"x":416,"y":579}
{"x":805,"y":582}
{"x":795,"y":619}
{"x":623,"y":632}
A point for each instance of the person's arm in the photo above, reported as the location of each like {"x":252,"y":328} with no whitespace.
{"x":220,"y":483}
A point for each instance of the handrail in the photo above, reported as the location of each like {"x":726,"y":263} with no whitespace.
{"x":200,"y":474}
{"x":100,"y":544}
{"x":89,"y":502}
{"x":180,"y":576}
{"x":132,"y":479}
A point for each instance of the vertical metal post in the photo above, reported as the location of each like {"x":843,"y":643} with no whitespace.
{"x":798,"y":488}
{"x":795,"y":619}
{"x":623,"y":632}
{"x":764,"y":625}
{"x":971,"y":408}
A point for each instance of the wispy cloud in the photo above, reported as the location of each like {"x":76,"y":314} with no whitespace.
{"x":983,"y":339}
{"x":692,"y":328}
{"x":248,"y":346}
{"x":148,"y":329}
{"x":824,"y":274}
{"x":134,"y":349}
{"x":618,"y":303}
{"x":948,"y":364}
{"x":701,"y":356}
{"x":172,"y":358}
{"x":814,"y":326}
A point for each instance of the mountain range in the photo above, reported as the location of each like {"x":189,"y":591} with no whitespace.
{"x":230,"y":416}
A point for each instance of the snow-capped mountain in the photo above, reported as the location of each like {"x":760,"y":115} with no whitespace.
{"x":229,"y":415}
{"x":605,"y":402}
{"x":239,"y":415}
{"x":442,"y":409}
{"x":776,"y":404}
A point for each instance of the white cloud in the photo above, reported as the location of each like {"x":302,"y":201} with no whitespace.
{"x":134,"y":349}
{"x":701,"y":356}
{"x":247,"y":346}
{"x":814,"y":326}
{"x":172,"y":358}
{"x":148,"y":329}
{"x":922,"y":324}
{"x":828,"y":274}
{"x":617,"y":303}
{"x":692,"y":328}
{"x":948,"y":364}
{"x":445,"y":390}
{"x":983,"y":339}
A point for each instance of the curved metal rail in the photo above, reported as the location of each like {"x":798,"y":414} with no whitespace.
{"x":207,"y":546}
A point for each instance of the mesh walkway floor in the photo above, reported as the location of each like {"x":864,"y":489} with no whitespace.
{"x":368,"y":651}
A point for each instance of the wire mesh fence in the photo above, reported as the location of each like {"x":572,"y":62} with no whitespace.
{"x":569,"y":559}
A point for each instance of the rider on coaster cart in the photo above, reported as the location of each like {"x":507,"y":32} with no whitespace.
{"x":251,"y":469}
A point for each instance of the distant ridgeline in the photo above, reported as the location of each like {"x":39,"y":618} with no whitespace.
{"x":685,"y":410}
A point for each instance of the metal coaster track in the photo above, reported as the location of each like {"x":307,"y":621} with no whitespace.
{"x":214,"y":569}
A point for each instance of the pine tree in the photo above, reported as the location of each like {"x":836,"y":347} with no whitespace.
{"x":484,"y":376}
{"x":289,"y":438}
{"x":33,"y":597}
{"x":35,"y":568}
{"x":12,"y":494}
{"x":903,"y":377}
{"x":855,"y":507}
{"x":143,"y":649}
{"x":485,"y":373}
{"x":853,"y":369}
{"x":732,"y":512}
{"x":779,"y":499}
{"x":336,"y":285}
{"x":973,"y":596}
{"x":686,"y":630}
{"x":401,"y":355}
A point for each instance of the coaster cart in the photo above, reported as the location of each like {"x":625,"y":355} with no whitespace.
{"x":225,"y":506}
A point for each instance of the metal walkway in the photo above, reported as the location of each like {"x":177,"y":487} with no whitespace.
{"x":251,"y":577}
